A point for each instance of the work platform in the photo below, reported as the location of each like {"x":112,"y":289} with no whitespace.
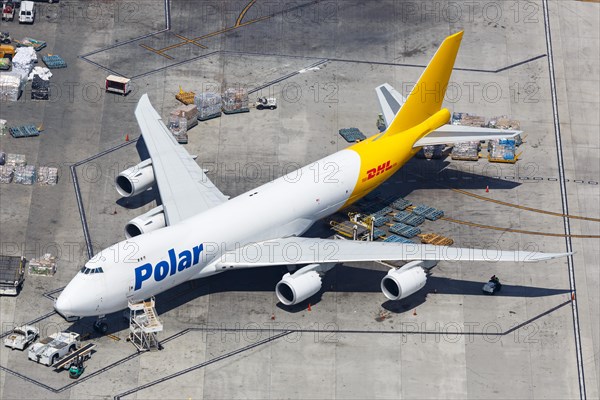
{"x":144,"y":325}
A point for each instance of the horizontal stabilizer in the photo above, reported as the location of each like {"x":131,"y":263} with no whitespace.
{"x":297,"y":250}
{"x":390,"y":101}
{"x":448,"y":134}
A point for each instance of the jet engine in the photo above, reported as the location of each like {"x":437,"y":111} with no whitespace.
{"x":401,"y":283}
{"x":136,"y":179}
{"x":293,"y":289}
{"x":148,"y":222}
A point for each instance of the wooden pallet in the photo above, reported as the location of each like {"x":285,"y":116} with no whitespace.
{"x":186,"y":98}
{"x":435,"y":239}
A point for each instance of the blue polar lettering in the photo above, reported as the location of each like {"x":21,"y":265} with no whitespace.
{"x":185,"y":260}
{"x":161,"y":271}
{"x":142,"y":273}
{"x":164,"y":268}
{"x":173,"y":261}
{"x":197,"y":250}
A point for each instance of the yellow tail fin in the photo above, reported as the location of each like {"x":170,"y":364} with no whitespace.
{"x":426,"y":97}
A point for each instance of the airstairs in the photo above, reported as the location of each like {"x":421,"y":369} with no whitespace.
{"x":144,"y":325}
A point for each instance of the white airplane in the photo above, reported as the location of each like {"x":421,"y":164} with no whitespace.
{"x":198,"y":232}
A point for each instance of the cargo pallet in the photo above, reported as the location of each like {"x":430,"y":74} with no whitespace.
{"x":405,"y":230}
{"x":352,"y":135}
{"x":23,"y":131}
{"x":377,"y":233}
{"x":465,"y":158}
{"x":238,"y":111}
{"x":383,"y":211}
{"x":54,"y":61}
{"x":182,"y":138}
{"x":401,"y":204}
{"x":409,"y":218}
{"x":397,"y":239}
{"x":430,"y":213}
{"x":211,"y":116}
{"x":380,"y":220}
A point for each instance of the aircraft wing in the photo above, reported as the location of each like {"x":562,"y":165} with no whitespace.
{"x":298,"y":250}
{"x":184,"y":188}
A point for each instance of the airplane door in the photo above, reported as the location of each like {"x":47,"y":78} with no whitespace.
{"x":130,"y":289}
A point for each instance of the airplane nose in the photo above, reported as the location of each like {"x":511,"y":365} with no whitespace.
{"x":63,"y":305}
{"x":80,"y":298}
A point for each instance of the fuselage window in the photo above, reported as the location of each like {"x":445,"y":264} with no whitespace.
{"x":86,"y":271}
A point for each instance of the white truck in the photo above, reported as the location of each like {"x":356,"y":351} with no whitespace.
{"x":21,"y":336}
{"x":49,"y":350}
{"x":27,"y":12}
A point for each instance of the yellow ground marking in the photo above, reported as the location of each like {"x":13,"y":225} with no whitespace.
{"x":191,"y":41}
{"x":160,"y":53}
{"x":497,"y":228}
{"x":195,"y":41}
{"x":243,"y":13}
{"x":536,"y":210}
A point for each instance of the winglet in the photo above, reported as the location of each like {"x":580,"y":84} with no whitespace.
{"x":426,"y":97}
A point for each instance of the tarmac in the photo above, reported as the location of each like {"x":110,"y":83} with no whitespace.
{"x":227,"y":336}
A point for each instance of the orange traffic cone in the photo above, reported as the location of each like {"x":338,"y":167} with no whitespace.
{"x":487,"y":189}
{"x":127,"y":137}
{"x":309,"y":309}
{"x":415,"y":312}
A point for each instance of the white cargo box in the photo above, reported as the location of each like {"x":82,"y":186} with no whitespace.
{"x":118,"y":84}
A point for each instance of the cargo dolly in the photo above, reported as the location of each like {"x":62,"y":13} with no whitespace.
{"x":84,"y":352}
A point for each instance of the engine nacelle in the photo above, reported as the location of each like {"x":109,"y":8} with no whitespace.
{"x":148,"y":222}
{"x":136,"y":179}
{"x":401,"y":283}
{"x":293,"y":289}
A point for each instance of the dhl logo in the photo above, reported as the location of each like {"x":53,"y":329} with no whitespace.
{"x":373,"y":172}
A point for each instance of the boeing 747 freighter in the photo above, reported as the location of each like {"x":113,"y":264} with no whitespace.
{"x":197,"y":231}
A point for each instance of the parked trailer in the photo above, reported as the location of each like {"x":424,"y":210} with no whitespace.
{"x":118,"y":84}
{"x":12,"y":274}
{"x":49,"y":350}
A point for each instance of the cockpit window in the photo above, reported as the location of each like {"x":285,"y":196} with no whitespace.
{"x":85,"y":270}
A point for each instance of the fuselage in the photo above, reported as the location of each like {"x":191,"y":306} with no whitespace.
{"x":141,"y":267}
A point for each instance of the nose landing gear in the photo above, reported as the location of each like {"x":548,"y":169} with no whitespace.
{"x":100,"y":325}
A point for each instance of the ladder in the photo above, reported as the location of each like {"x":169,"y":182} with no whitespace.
{"x":144,"y":325}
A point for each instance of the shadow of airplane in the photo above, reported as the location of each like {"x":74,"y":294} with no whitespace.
{"x":341,"y":279}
